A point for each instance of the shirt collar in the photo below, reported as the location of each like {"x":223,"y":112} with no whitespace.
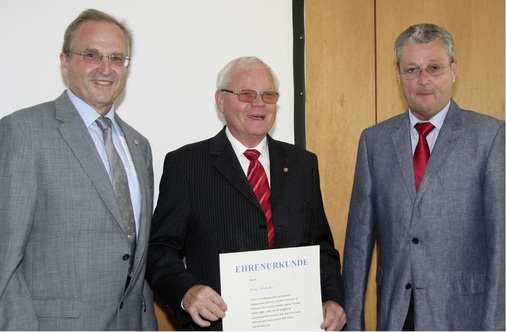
{"x":239,"y":148}
{"x":437,"y":120}
{"x":88,"y":113}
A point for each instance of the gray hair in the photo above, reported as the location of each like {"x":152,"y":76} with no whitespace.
{"x":225,"y":75}
{"x":424,"y":33}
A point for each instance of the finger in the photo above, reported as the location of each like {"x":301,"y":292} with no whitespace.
{"x":215,"y":311}
{"x":204,"y":316}
{"x":219,"y":303}
{"x":212,"y":314}
{"x":199,"y":321}
{"x":334,"y":316}
{"x":340,"y":322}
{"x":204,"y":305}
{"x":336,"y":325}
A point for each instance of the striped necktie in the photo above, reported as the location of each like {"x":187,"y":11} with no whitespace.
{"x":258,"y":180}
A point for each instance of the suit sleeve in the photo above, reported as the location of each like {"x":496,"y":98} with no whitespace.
{"x":17,"y":205}
{"x":148,"y":317}
{"x":165,"y":270}
{"x":359,"y":243}
{"x":494,"y":212}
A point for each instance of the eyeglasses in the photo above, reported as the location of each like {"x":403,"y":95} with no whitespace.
{"x":116,"y":60}
{"x":248,"y":96}
{"x":412,"y":73}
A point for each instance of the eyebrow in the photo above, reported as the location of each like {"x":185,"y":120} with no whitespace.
{"x":94,"y":50}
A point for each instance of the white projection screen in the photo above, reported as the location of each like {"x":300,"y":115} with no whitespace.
{"x":179,"y":47}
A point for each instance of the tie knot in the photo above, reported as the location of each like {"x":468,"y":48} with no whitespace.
{"x":103,"y":123}
{"x":424,"y":128}
{"x":252,"y":155}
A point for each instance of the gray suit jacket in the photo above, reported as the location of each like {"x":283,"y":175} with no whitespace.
{"x":63,"y":241}
{"x":444,"y":242}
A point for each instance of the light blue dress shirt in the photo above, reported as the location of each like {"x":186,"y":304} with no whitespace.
{"x":89,"y":116}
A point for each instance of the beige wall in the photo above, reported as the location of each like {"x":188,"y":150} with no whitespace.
{"x":351,"y":81}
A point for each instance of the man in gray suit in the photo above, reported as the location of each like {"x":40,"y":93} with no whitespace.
{"x":441,"y":235}
{"x":65,"y":259}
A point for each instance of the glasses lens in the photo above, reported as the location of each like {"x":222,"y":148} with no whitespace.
{"x":117,"y":60}
{"x":247,"y":96}
{"x":411,"y":73}
{"x":270,"y":97}
{"x":90,"y":57}
{"x":435,"y":70}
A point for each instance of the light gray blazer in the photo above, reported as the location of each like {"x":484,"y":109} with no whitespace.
{"x":444,"y":242}
{"x":62,"y":239}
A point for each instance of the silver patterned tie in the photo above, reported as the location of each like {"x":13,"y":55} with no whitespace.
{"x":119,"y":184}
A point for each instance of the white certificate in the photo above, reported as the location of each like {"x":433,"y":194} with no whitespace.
{"x":272,"y":290}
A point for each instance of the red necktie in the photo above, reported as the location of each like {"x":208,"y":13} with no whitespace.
{"x":258,"y":180}
{"x":422,"y":152}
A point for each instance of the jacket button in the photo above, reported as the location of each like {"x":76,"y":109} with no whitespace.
{"x":415,"y":240}
{"x":408,"y":286}
{"x":121,"y":305}
{"x":126,"y":257}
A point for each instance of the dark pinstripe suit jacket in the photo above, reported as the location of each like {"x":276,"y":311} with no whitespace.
{"x":207,"y":207}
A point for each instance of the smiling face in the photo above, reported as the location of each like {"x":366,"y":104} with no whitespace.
{"x":426,"y":95}
{"x":248,"y":122}
{"x":96,"y":84}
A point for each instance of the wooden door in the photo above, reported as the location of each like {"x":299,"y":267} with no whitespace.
{"x":351,"y":82}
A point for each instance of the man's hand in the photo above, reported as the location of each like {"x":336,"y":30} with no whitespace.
{"x":204,"y":305}
{"x":334,"y":317}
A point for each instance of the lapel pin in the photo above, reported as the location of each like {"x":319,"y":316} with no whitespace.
{"x":136,"y":142}
{"x":285,"y":169}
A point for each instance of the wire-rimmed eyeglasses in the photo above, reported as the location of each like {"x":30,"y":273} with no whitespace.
{"x":411,"y":73}
{"x":116,"y":60}
{"x":248,"y":96}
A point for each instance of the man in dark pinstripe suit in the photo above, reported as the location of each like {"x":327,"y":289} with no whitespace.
{"x":206,"y":205}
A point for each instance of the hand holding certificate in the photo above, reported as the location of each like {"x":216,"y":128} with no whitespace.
{"x":270,"y":290}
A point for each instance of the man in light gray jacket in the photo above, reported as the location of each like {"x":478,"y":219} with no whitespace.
{"x":66,"y":260}
{"x":439,"y":230}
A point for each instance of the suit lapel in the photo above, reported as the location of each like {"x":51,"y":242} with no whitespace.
{"x":401,"y":140}
{"x":279,"y":169}
{"x":77,"y":136}
{"x":226,"y":162}
{"x":448,"y":136}
{"x":228,"y":165}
